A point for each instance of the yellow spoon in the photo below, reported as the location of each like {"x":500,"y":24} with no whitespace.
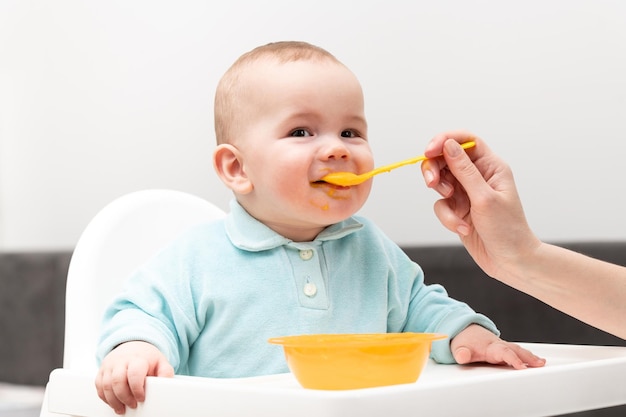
{"x":348,"y":178}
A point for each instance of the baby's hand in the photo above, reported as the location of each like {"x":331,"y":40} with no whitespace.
{"x":121,"y":379}
{"x":477,"y":344}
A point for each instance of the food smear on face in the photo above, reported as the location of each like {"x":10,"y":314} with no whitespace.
{"x":322,"y":206}
{"x":331,"y":191}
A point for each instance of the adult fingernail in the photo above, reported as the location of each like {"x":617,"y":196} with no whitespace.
{"x":463,"y":230}
{"x":452,"y":147}
{"x":445,"y":188}
{"x":429,"y":176}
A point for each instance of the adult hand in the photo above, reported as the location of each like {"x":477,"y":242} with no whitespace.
{"x":480,"y":201}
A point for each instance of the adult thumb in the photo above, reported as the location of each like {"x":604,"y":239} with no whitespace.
{"x":462,"y":167}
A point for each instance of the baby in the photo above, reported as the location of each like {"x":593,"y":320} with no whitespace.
{"x":290,"y":258}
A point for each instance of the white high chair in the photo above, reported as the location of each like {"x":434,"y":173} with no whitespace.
{"x":133,"y":227}
{"x":123,"y":235}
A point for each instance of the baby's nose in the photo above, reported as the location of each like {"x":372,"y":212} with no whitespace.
{"x":336,"y":149}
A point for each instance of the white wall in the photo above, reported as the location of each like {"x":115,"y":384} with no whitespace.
{"x":99,"y":98}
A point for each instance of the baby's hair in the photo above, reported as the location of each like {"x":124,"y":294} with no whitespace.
{"x":229,"y":90}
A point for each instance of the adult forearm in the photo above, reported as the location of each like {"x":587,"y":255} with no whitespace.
{"x":588,"y":289}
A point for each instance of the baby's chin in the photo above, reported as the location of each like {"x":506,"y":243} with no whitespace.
{"x":331,"y":211}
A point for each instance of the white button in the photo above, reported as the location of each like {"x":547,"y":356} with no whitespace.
{"x":306,"y":254}
{"x":310,"y":289}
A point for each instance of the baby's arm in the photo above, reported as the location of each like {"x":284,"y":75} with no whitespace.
{"x":121,"y":379}
{"x":477,"y":344}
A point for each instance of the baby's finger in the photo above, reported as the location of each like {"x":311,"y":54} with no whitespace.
{"x":120,"y":387}
{"x":99,"y":388}
{"x":463,"y":355}
{"x":513,"y":360}
{"x":504,"y":353}
{"x":164,"y":369}
{"x":136,"y":373}
{"x":529,"y":358}
{"x":109,"y":396}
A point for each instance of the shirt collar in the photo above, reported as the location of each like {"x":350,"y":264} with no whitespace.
{"x":247,"y":233}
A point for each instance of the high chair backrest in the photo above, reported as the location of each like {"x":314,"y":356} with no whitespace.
{"x":123,"y":235}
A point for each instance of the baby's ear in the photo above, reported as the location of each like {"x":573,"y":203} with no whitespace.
{"x":228,"y":163}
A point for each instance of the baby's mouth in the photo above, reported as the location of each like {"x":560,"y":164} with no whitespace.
{"x":322,"y":183}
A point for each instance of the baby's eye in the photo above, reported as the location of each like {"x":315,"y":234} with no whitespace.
{"x":349,"y":134}
{"x":300,"y":133}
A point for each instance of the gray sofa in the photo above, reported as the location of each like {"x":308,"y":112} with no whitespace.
{"x":32,"y":293}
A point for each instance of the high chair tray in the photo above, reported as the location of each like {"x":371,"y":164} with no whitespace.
{"x":575,"y":378}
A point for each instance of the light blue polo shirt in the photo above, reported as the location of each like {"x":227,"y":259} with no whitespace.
{"x":212,"y":298}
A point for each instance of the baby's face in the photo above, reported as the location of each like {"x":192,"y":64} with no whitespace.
{"x":304,"y":120}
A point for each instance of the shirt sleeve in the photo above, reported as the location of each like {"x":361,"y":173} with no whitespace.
{"x":417,"y":307}
{"x":153,"y":307}
{"x":432,"y":310}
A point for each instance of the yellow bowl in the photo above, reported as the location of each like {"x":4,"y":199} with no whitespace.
{"x":351,"y":361}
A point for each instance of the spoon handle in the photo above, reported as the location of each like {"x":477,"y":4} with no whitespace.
{"x":387,"y":168}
